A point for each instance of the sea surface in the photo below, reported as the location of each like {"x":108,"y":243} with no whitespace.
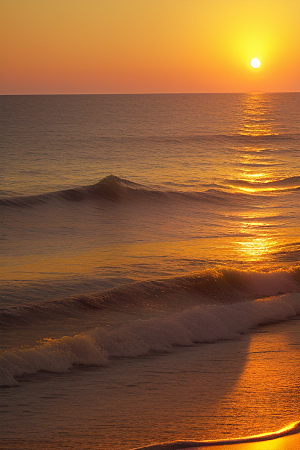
{"x":149,"y":268}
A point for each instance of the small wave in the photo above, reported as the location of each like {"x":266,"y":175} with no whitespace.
{"x":264,"y":137}
{"x":201,"y":324}
{"x":240,"y":136}
{"x":284,"y":183}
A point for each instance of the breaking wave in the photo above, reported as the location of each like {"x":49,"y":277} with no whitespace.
{"x":217,"y":286}
{"x":204,"y":308}
{"x":202,"y":324}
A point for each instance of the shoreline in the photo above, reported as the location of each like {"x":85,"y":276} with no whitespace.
{"x":287,"y":438}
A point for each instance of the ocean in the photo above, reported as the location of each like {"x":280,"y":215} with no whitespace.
{"x":149,"y":268}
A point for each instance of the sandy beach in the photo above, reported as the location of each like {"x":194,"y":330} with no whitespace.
{"x":291,"y":442}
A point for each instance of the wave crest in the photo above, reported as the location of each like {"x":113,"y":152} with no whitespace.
{"x":210,"y":286}
{"x":201,"y":324}
{"x":113,"y":188}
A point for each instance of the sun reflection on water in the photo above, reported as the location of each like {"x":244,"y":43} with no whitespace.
{"x":254,"y":249}
{"x":255,"y":121}
{"x":255,"y":175}
{"x":258,"y":242}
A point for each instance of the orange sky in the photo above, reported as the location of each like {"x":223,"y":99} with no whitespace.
{"x":140,"y":46}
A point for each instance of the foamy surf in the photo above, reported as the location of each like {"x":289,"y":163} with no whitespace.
{"x":202,"y":324}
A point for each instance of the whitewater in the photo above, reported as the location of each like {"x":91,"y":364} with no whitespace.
{"x":149,"y":268}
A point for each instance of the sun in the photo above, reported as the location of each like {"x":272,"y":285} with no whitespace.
{"x":255,"y":63}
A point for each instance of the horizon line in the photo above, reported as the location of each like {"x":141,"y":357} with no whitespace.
{"x":151,"y":93}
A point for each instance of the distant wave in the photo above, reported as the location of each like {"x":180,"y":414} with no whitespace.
{"x":200,"y":324}
{"x":110,"y":187}
{"x":239,"y":136}
{"x":266,"y":137}
{"x":244,"y":138}
{"x":284,"y":183}
{"x":113,"y":188}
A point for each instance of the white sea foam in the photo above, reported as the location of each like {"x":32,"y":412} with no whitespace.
{"x":205,"y":323}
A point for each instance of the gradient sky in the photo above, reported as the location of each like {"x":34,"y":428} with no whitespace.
{"x":141,"y":46}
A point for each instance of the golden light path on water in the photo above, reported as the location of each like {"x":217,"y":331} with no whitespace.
{"x":255,"y":177}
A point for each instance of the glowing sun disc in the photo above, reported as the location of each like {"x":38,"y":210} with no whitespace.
{"x":255,"y":63}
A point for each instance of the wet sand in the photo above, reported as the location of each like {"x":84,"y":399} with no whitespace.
{"x":285,"y":439}
{"x":214,"y":391}
{"x":291,"y":442}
